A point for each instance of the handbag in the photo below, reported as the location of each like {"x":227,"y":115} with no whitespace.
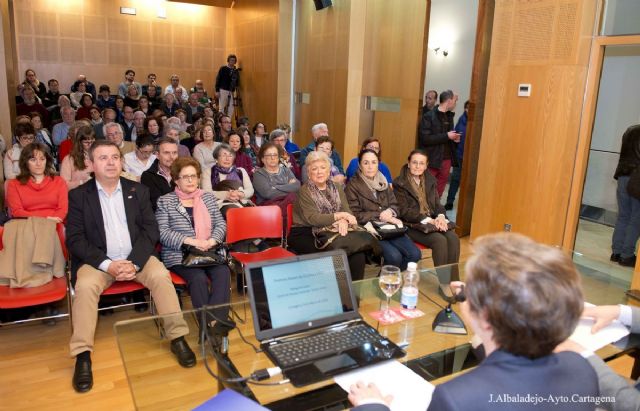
{"x":193,"y":257}
{"x":357,"y":239}
{"x":430,"y":228}
{"x":388,"y":231}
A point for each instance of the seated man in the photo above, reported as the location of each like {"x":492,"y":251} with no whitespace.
{"x":522,"y":300}
{"x":113,"y":132}
{"x":319,"y":130}
{"x":111,"y":236}
{"x":157,"y":178}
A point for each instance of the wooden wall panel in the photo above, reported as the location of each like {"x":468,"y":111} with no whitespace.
{"x":528,"y":145}
{"x":91,"y":37}
{"x":251,"y":34}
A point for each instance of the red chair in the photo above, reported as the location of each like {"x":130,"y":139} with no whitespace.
{"x":56,"y":290}
{"x":255,"y":222}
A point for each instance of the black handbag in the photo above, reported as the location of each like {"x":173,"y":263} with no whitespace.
{"x":193,"y":257}
{"x":385,"y":232}
{"x":357,"y":239}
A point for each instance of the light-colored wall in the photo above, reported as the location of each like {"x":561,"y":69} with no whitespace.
{"x":63,"y":39}
{"x":452,"y":26}
{"x":618,"y":108}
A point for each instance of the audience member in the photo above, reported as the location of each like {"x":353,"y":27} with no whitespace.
{"x":170,"y":105}
{"x":132,"y":97}
{"x":65,"y":147}
{"x":155,"y":98}
{"x":114,"y":133}
{"x":61,"y":130}
{"x":248,"y":145}
{"x":227,"y":80}
{"x":30,"y":103}
{"x":371,"y":200}
{"x":151,"y":84}
{"x":321,"y":206}
{"x":91,"y":88}
{"x":108,"y":116}
{"x":42,"y":135}
{"x":144,"y":105}
{"x":119,"y":109}
{"x":77,"y":95}
{"x":201,"y":227}
{"x":325,"y":144}
{"x":224,"y":128}
{"x":289,"y":146}
{"x":438,"y":138}
{"x":127,"y":124}
{"x":203,"y":152}
{"x":260,"y":135}
{"x":320,"y":130}
{"x":241,"y":160}
{"x":173,"y":132}
{"x":274,"y":183}
{"x":140,"y":160}
{"x":129,"y":80}
{"x":51,"y":98}
{"x":157,"y":178}
{"x":456,"y":172}
{"x":56,"y":111}
{"x":105,"y":99}
{"x":192,"y":107}
{"x":76,"y":168}
{"x":279,"y":137}
{"x":32,"y":83}
{"x":86,"y":103}
{"x":201,"y":93}
{"x":231,"y":185}
{"x":430,"y":100}
{"x":370,"y":144}
{"x":522,"y":300}
{"x":25,"y":135}
{"x":115,"y":246}
{"x":175,"y":85}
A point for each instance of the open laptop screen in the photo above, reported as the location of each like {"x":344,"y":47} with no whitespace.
{"x":307,"y":290}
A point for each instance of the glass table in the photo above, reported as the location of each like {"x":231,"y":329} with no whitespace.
{"x":158,"y":382}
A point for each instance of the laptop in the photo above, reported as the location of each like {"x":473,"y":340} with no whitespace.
{"x":306,"y":318}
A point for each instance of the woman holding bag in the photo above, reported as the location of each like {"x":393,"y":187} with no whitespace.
{"x":189,"y":216}
{"x":372,"y":200}
{"x":321,"y":212}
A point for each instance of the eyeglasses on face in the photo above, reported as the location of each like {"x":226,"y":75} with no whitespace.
{"x":188,"y":177}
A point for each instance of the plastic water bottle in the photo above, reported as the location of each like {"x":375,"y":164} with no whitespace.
{"x":409,"y":298}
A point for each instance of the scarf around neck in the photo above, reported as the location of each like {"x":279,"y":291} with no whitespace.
{"x":201,"y":216}
{"x":378,"y":183}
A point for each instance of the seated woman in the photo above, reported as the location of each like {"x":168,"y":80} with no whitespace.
{"x":242,"y":160}
{"x":522,"y":300}
{"x":249,"y":146}
{"x":77,"y":95}
{"x":153,"y":128}
{"x":230,"y":184}
{"x":279,"y":137}
{"x":321,"y":204}
{"x":371,"y":199}
{"x":260,"y":135}
{"x":419,"y":205}
{"x":65,"y":147}
{"x":203,"y":152}
{"x":325,"y":144}
{"x":37,"y":191}
{"x":190,"y":216}
{"x":139,"y":160}
{"x":370,"y":144}
{"x":274,"y":182}
{"x":25,"y":135}
{"x":76,"y":168}
{"x":132,"y":97}
{"x":84,"y":111}
{"x":42,"y":134}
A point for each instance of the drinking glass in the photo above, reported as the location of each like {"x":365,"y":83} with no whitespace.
{"x":390,"y":281}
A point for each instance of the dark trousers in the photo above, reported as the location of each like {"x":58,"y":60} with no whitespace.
{"x":400,"y":251}
{"x":454,"y":184}
{"x":627,"y":229}
{"x":207,"y":286}
{"x":301,"y":241}
{"x":445,"y":249}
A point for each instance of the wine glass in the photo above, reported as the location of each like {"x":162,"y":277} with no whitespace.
{"x":389,"y":281}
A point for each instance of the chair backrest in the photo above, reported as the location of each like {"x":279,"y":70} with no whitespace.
{"x":289,"y":218}
{"x":254,"y":222}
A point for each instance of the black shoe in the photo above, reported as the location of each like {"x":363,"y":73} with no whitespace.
{"x":82,"y":375}
{"x":448,"y":207}
{"x":222,"y":328}
{"x":615,"y":257}
{"x":183,"y":353}
{"x":140,"y":308}
{"x":627,"y":262}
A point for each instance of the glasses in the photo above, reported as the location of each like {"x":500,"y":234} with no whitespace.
{"x":29,"y":137}
{"x":188,"y":177}
{"x":88,"y":142}
{"x":270,"y":155}
{"x":226,"y":155}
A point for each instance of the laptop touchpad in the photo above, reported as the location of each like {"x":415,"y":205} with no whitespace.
{"x":333,"y":365}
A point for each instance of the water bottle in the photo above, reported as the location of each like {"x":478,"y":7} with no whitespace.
{"x":409,"y":298}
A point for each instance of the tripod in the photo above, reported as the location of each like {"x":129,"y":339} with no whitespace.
{"x":238,"y":110}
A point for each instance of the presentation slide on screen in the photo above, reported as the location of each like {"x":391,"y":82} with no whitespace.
{"x":301,"y":291}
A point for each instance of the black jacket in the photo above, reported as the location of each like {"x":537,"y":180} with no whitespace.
{"x":433,"y":138}
{"x":86,"y":238}
{"x":364,"y":206}
{"x":408,"y":202}
{"x":629,"y":152}
{"x":157,"y":185}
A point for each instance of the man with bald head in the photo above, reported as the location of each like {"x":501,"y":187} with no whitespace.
{"x":319,"y":130}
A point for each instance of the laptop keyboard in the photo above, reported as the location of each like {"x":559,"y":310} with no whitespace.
{"x":321,"y":345}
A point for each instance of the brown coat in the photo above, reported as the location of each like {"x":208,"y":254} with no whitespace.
{"x":305,"y":211}
{"x":408,"y":202}
{"x":364,"y":206}
{"x":32,"y":253}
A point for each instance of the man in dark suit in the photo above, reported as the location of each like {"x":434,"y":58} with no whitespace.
{"x":157,"y":178}
{"x":522,"y":300}
{"x":111,"y":236}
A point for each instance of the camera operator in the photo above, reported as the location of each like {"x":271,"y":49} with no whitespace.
{"x":227,"y":80}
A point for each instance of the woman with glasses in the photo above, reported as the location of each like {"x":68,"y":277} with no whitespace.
{"x":230,"y":184}
{"x":139,"y":160}
{"x":189,"y":216}
{"x":25,"y":135}
{"x":274,"y":182}
{"x":76,"y":168}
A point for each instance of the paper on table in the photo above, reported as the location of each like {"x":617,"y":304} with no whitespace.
{"x":593,"y":342}
{"x":410,"y":391}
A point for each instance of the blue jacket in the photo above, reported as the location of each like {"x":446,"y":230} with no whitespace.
{"x":461,"y":127}
{"x":175,"y":225}
{"x":311,"y":147}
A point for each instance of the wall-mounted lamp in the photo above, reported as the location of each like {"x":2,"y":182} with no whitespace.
{"x":445,"y":52}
